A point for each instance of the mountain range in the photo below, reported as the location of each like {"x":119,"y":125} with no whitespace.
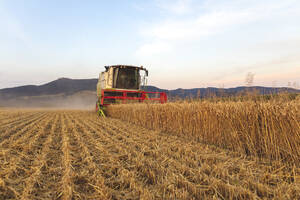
{"x":65,"y":91}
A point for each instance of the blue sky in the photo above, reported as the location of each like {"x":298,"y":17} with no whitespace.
{"x":183,"y":43}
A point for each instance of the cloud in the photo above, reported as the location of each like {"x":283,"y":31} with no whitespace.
{"x":204,"y":25}
{"x":213,"y":19}
{"x":138,"y":7}
{"x":178,"y":7}
{"x":154,"y":48}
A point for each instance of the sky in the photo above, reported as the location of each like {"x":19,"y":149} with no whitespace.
{"x":183,"y":43}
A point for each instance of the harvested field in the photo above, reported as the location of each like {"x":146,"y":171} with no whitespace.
{"x":77,"y":155}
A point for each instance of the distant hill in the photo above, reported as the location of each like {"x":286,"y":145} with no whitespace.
{"x":211,"y":91}
{"x":223,"y":92}
{"x":67,"y":91}
{"x":60,"y":86}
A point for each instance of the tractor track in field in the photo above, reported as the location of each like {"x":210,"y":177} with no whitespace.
{"x":14,"y":119}
{"x":19,"y":127}
{"x":7,"y":118}
{"x":77,"y":155}
{"x":47,"y":182}
{"x":22,"y":152}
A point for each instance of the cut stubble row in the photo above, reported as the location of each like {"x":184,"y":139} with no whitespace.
{"x":77,"y":155}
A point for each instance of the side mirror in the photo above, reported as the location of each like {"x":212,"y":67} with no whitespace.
{"x":147,"y":73}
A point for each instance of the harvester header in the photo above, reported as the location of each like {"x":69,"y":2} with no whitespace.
{"x":124,"y":84}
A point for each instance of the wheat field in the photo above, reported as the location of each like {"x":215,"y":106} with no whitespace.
{"x":63,"y":154}
{"x":264,"y":129}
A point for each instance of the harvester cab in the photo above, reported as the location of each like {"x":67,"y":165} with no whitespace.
{"x":124,"y":84}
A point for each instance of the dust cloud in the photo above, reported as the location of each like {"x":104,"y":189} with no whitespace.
{"x":83,"y":100}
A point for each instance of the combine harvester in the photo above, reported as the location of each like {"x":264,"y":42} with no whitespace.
{"x":124,"y":84}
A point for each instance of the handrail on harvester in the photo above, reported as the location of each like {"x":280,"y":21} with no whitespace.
{"x":162,"y":96}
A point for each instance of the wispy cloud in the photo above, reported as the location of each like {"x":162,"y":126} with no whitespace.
{"x":197,"y":27}
{"x":178,"y":7}
{"x":154,"y":48}
{"x":211,"y":20}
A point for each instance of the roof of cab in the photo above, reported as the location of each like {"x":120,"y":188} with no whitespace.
{"x":123,"y":66}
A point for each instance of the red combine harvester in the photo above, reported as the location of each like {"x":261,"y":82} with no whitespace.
{"x":123,"y":84}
